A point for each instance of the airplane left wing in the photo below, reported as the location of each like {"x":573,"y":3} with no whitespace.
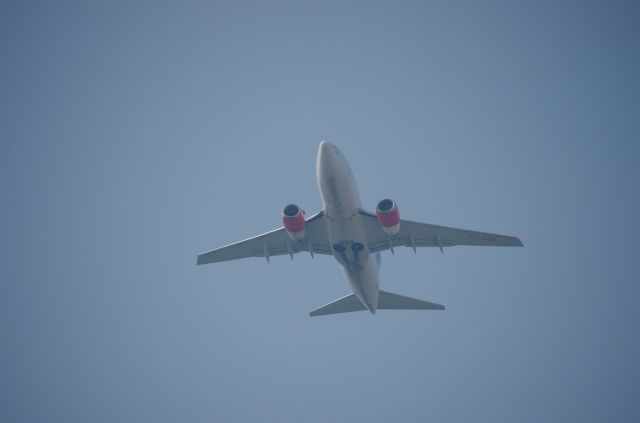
{"x":275,"y":243}
{"x":416,"y":234}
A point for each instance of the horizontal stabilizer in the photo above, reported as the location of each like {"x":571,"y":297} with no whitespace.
{"x":389,"y":301}
{"x":345,"y":304}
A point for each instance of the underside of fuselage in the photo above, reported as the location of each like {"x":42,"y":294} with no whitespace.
{"x":346,"y":233}
{"x":351,"y":234}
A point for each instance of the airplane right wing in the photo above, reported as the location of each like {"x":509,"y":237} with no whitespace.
{"x":275,"y":243}
{"x":416,"y":234}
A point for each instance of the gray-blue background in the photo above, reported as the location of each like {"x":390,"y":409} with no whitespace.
{"x":135,"y":135}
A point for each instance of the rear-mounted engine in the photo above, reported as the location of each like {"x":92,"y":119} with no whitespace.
{"x":293,"y":221}
{"x":388,"y":216}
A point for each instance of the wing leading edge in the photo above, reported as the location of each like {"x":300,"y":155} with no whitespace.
{"x":416,"y":234}
{"x":274,"y":243}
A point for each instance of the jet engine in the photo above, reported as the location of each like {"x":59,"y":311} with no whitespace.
{"x":388,"y":216}
{"x":293,"y":221}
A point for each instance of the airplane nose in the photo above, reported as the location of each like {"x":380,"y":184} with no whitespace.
{"x":324,"y":161}
{"x":324,"y":153}
{"x":325,"y":147}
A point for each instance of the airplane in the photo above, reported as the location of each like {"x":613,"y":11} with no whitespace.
{"x":354,"y":236}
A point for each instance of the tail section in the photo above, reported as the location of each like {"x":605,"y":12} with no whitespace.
{"x":389,"y":301}
{"x":345,"y":304}
{"x":386,"y":301}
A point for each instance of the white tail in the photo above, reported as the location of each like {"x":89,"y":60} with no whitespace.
{"x":386,"y":301}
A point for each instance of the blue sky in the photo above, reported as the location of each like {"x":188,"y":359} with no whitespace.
{"x":136,"y":135}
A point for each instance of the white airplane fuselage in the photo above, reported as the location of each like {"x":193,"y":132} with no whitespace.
{"x":354,"y":236}
{"x":345,"y":230}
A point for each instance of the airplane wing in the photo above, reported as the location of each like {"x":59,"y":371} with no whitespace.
{"x":416,"y":234}
{"x":275,"y":243}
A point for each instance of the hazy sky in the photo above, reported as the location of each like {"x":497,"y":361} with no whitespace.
{"x":135,"y":135}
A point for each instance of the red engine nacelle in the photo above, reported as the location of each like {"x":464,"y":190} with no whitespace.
{"x":293,"y":221}
{"x":388,"y":216}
